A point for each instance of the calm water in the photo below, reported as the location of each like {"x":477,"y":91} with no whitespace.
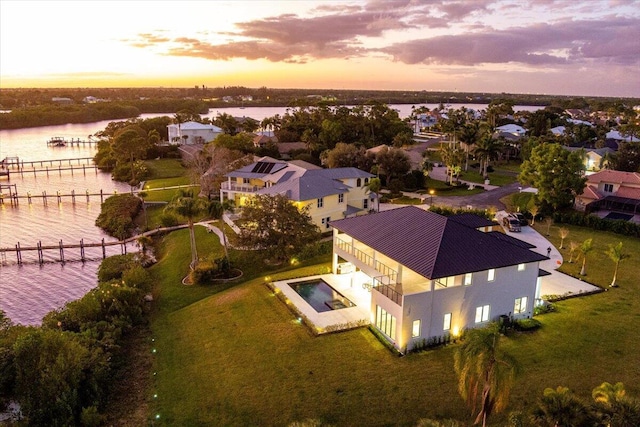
{"x":30,"y":291}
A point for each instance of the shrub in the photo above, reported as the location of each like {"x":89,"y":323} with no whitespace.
{"x":526,"y":325}
{"x":112,"y":268}
{"x":168,"y":219}
{"x":117,"y":214}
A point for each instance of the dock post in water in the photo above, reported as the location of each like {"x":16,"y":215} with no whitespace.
{"x":82,"y":250}
{"x":40,"y":254}
{"x":18,"y":254}
{"x":61,"y":252}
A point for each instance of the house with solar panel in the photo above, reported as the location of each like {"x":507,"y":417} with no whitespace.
{"x":432,"y":276}
{"x":329,"y":193}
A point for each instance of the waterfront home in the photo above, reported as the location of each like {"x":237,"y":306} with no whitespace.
{"x":611,"y":190}
{"x":329,"y":193}
{"x":433,"y":276}
{"x":189,"y":133}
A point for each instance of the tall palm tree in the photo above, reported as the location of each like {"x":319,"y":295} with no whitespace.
{"x":468,"y":136}
{"x":617,"y":255}
{"x":452,"y":156}
{"x":487,"y":148}
{"x":189,"y":207}
{"x":585,"y":248}
{"x":485,"y":372}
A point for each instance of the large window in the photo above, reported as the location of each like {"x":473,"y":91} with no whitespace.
{"x":341,"y":198}
{"x":446,"y":282}
{"x":482,"y":313}
{"x":325,"y":221}
{"x":608,"y":188}
{"x":415,"y":330}
{"x":491,"y":275}
{"x":520,"y":305}
{"x":520,"y":267}
{"x":385,"y":322}
{"x":447,"y":322}
{"x":320,"y":202}
{"x":365,"y":203}
{"x":467,"y":279}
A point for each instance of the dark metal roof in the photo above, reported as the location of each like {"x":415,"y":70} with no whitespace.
{"x":542,"y":273}
{"x":432,"y":245}
{"x":472,"y":220}
{"x":513,"y":240}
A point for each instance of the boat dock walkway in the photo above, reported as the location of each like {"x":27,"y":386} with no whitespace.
{"x":59,"y":141}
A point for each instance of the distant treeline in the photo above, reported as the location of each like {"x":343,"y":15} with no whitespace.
{"x":36,"y":107}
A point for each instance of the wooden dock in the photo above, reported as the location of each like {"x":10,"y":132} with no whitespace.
{"x":59,"y":141}
{"x":14,"y":165}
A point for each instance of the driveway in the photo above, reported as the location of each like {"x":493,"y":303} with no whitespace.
{"x":556,"y":283}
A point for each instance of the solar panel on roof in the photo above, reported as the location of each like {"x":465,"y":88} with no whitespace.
{"x":263,"y":167}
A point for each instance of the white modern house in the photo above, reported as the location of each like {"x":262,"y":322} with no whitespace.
{"x":433,"y":276}
{"x":189,"y":133}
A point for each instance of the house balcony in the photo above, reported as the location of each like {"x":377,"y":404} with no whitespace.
{"x":384,"y":277}
{"x":239,"y":188}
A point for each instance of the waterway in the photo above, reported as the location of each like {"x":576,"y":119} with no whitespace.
{"x":29,"y":291}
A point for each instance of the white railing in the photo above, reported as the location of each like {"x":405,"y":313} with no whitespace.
{"x":244,"y":188}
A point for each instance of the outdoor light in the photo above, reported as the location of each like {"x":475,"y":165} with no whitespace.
{"x":456,"y":331}
{"x":431,"y":192}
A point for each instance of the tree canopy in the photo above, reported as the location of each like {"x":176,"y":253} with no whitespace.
{"x":274,"y":223}
{"x":557,"y":173}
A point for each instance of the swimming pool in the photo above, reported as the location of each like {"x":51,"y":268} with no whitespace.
{"x":320,"y":295}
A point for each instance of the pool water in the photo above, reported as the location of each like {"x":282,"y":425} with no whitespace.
{"x":320,"y":295}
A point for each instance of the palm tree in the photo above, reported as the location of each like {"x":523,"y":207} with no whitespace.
{"x":564,"y":232}
{"x":469,"y":136}
{"x":534,"y":210}
{"x":485,"y":372}
{"x":217,"y":210}
{"x":560,"y":407}
{"x":487,"y":148}
{"x":374,"y":186}
{"x":572,"y":248}
{"x":614,"y":407}
{"x":188,"y":206}
{"x":585,"y":248}
{"x":616,"y":255}
{"x":452,"y":156}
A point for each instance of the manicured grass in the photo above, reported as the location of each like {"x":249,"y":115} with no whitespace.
{"x":599,"y":266}
{"x":238,"y":357}
{"x":495,"y":178}
{"x":443,"y":190}
{"x":165,"y":168}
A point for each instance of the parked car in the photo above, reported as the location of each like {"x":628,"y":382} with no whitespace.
{"x":520,"y":217}
{"x":511,"y":223}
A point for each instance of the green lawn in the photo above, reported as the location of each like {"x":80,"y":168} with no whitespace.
{"x":238,"y":356}
{"x":165,"y":168}
{"x":443,"y":190}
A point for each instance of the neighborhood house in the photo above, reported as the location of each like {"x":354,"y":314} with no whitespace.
{"x":431,"y":276}
{"x":611,"y":190}
{"x":190,"y":133}
{"x":329,"y":193}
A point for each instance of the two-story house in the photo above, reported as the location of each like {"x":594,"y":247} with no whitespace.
{"x":611,"y":190}
{"x":189,"y":133}
{"x":329,"y":193}
{"x":432,"y":275}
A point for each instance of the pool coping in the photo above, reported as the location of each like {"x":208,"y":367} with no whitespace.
{"x":332,"y":320}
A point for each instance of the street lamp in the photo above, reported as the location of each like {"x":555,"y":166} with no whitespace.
{"x":431,"y":193}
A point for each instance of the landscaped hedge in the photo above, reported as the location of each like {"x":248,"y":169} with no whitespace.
{"x":117,"y":214}
{"x":593,"y":221}
{"x":447,"y":211}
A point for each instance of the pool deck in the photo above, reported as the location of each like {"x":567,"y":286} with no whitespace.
{"x":349,"y":285}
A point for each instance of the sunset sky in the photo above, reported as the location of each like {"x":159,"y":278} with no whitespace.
{"x":589,"y":47}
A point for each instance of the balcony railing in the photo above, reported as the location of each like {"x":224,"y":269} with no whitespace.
{"x":243,"y":188}
{"x":387,"y":290}
{"x":367,"y":259}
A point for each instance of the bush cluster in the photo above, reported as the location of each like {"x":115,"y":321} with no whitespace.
{"x":117,"y":215}
{"x":448,"y":211}
{"x":597,"y":223}
{"x":60,"y":373}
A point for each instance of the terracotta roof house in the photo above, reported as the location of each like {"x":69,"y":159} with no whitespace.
{"x":329,"y":193}
{"x":192,"y":133}
{"x":611,"y":190}
{"x":433,"y":276}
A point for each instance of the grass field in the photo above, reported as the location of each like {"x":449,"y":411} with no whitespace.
{"x":238,"y":357}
